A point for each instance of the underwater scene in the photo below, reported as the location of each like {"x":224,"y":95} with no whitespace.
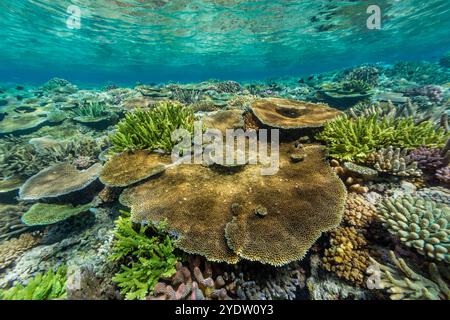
{"x":224,"y":150}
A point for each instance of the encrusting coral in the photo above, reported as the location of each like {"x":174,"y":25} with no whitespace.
{"x":347,"y":256}
{"x":402,"y":283}
{"x":152,"y":129}
{"x":48,"y":286}
{"x":58,"y":180}
{"x":291,"y":114}
{"x":419,"y":223}
{"x":41,"y":214}
{"x":146,"y":254}
{"x":13,"y":249}
{"x":355,"y":139}
{"x":218,"y":221}
{"x":128,"y":168}
{"x":394,"y":161}
{"x":358,"y":212}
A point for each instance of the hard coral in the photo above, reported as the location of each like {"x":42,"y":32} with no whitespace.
{"x":358,"y":212}
{"x":427,"y":158}
{"x":443,"y":174}
{"x":394,"y":161}
{"x":291,"y":114}
{"x":41,"y":214}
{"x":420,"y":223}
{"x":129,"y":168}
{"x":190,"y":198}
{"x":347,"y":256}
{"x":58,"y":180}
{"x":13,"y":249}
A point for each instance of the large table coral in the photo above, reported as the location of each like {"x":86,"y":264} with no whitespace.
{"x":219,"y":215}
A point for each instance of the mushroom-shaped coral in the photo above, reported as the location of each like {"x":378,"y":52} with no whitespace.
{"x":213,"y":213}
{"x":291,"y":114}
{"x":347,"y":256}
{"x":395,"y":161}
{"x":42,"y":214}
{"x":420,"y":223}
{"x":58,"y":180}
{"x":358,"y":212}
{"x":128,"y":168}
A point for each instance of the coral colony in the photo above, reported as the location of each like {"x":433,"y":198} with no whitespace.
{"x":330,"y":185}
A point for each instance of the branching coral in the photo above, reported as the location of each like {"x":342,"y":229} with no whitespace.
{"x":402,"y":283}
{"x":146,"y":254}
{"x":355,"y":139}
{"x":152,"y":129}
{"x":48,"y":286}
{"x":427,"y":158}
{"x":420,"y":223}
{"x":443,"y":174}
{"x":394,"y":161}
{"x":358,"y":212}
{"x":10,"y":221}
{"x":12,"y":249}
{"x":347,"y":256}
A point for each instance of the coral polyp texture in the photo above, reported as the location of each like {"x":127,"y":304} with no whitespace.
{"x":13,"y":249}
{"x":41,"y":214}
{"x":129,"y":168}
{"x":419,"y":223}
{"x":219,"y":221}
{"x":359,"y":212}
{"x":395,"y":161}
{"x":291,"y":114}
{"x":428,"y":158}
{"x":58,"y":180}
{"x":403,"y":283}
{"x":152,"y":129}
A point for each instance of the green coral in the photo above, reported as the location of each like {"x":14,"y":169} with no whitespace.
{"x":402,"y":283}
{"x":91,"y":110}
{"x":152,"y":129}
{"x":355,"y":139}
{"x":146,"y":253}
{"x":42,"y":214}
{"x":419,"y":223}
{"x":48,"y":286}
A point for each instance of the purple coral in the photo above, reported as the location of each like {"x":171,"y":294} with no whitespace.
{"x":433,"y":93}
{"x":427,"y":158}
{"x":443,"y":174}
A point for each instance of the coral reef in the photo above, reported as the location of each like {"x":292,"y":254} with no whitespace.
{"x":223,"y":120}
{"x":358,"y":212}
{"x":429,"y":159}
{"x":347,"y":256}
{"x":367,"y":74}
{"x":237,"y":232}
{"x":149,"y":130}
{"x":12,"y":249}
{"x":353,"y":177}
{"x":128,"y":168}
{"x":48,"y":286}
{"x":290,"y":114}
{"x":10,"y":221}
{"x":402,"y":283}
{"x":41,"y":214}
{"x":57,"y":85}
{"x":146,"y":254}
{"x":419,"y":223}
{"x":443,"y":174}
{"x":58,"y":180}
{"x":394,"y":161}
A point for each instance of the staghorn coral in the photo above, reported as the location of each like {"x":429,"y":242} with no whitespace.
{"x":58,"y":180}
{"x":42,"y":214}
{"x":128,"y":168}
{"x":355,"y":139}
{"x":201,"y":211}
{"x":419,"y":223}
{"x":429,"y":159}
{"x":13,"y":249}
{"x":146,"y":254}
{"x":358,"y":212}
{"x":149,"y":130}
{"x":48,"y":286}
{"x":402,"y":283}
{"x":347,"y":256}
{"x":394,"y":161}
{"x":291,"y":114}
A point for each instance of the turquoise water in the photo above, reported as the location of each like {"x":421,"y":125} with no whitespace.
{"x":135,"y":40}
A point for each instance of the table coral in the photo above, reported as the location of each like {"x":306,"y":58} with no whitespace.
{"x":197,"y":203}
{"x":419,"y":223}
{"x":347,"y":256}
{"x":58,"y":180}
{"x":402,"y":283}
{"x":291,"y":114}
{"x":358,"y":212}
{"x":41,"y":214}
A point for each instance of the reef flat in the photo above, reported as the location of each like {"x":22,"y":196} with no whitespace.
{"x":93,"y":207}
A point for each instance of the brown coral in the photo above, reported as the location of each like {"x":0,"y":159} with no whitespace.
{"x":198,"y":204}
{"x":58,"y":180}
{"x":223,"y":120}
{"x":347,"y":256}
{"x":291,"y":114}
{"x":359,"y":212}
{"x":129,"y":168}
{"x":13,"y":249}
